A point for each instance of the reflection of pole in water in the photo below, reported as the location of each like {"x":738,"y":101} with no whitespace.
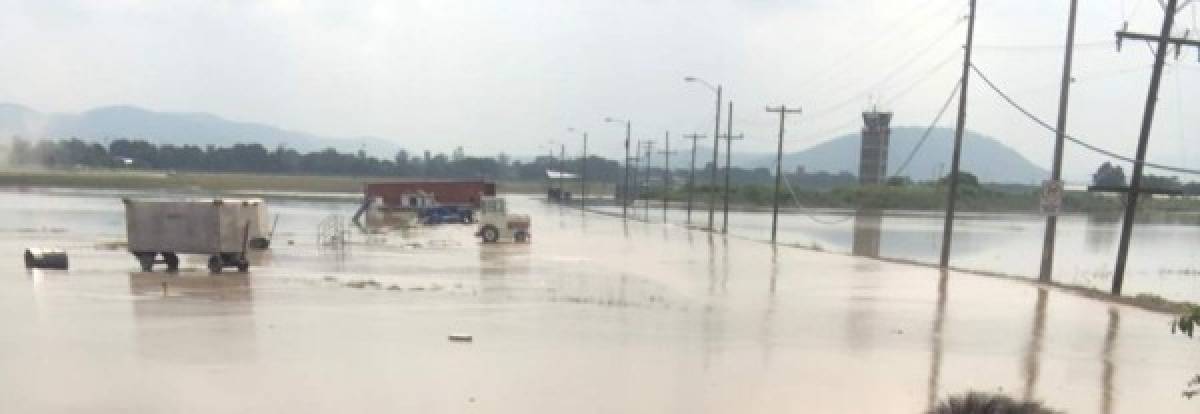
{"x":868,"y":226}
{"x":1101,"y":230}
{"x":1110,"y":339}
{"x":1033,"y":352}
{"x":769,"y":313}
{"x":935,"y":362}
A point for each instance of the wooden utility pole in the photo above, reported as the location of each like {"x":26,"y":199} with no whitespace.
{"x":583,"y":175}
{"x":729,"y":138}
{"x":952,"y":192}
{"x":783,"y":112}
{"x":646,"y":177}
{"x":692,"y":174}
{"x":712,"y":184}
{"x":666,"y":173}
{"x":1047,"y":269}
{"x":728,"y":159}
{"x":1135,"y":182}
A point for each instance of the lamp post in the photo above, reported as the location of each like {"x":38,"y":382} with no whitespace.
{"x":582,"y":172}
{"x":712,"y":199}
{"x":625,"y":175}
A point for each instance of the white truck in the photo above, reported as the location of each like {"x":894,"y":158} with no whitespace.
{"x":219,"y":228}
{"x":495,"y":224}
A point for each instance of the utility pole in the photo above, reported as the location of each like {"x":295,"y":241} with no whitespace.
{"x":728,"y":158}
{"x":783,"y":112}
{"x":729,"y":138}
{"x":712,"y":184}
{"x":952,"y":192}
{"x":636,"y":159}
{"x":562,"y":169}
{"x":692,"y":174}
{"x":1135,"y":182}
{"x":666,"y":173}
{"x":646,"y":177}
{"x":583,"y":176}
{"x":1047,"y":269}
{"x":624,"y":190}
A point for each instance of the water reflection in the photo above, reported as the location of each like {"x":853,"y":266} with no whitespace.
{"x":935,"y":360}
{"x":1110,"y":343}
{"x":868,"y":228}
{"x":174,"y":319}
{"x":1100,"y":232}
{"x":1033,"y":352}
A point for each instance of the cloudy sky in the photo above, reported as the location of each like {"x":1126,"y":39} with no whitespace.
{"x":510,"y":76}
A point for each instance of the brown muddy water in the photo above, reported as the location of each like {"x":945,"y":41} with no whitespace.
{"x":1162,"y":261}
{"x":595,"y":315}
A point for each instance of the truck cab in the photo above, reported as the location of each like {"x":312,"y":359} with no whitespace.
{"x":496,"y":224}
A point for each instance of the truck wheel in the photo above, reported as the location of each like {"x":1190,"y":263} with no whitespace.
{"x":215,"y":264}
{"x":146,"y":260}
{"x":521,"y":237}
{"x":172,"y":261}
{"x":490,"y":234}
{"x":243,"y":265}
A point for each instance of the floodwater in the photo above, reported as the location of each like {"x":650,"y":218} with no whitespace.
{"x":595,"y":315}
{"x":1162,"y":258}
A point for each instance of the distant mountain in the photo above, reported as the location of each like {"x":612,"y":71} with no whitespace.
{"x":171,"y":128}
{"x":982,"y":155}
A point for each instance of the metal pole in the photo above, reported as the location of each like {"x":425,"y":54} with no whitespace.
{"x":692,"y":175}
{"x":1135,"y":182}
{"x":728,"y":158}
{"x":1047,"y":269}
{"x":646,"y":178}
{"x":712,"y":197}
{"x":952,"y":193}
{"x":583,"y":176}
{"x":778,"y":175}
{"x":625,"y":177}
{"x":562,"y":168}
{"x":666,"y":174}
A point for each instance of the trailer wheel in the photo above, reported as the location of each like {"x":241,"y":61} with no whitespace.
{"x":243,"y":265}
{"x":215,"y":264}
{"x":521,"y":237}
{"x":490,"y":234}
{"x":172,"y":261}
{"x":146,"y":260}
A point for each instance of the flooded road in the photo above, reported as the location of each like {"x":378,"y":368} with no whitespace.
{"x":596,"y":315}
{"x":1162,"y":257}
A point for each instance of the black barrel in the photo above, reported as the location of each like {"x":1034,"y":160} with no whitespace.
{"x":45,"y":259}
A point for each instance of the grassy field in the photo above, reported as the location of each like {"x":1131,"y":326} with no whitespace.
{"x":219,"y":182}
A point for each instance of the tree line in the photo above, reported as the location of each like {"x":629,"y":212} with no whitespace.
{"x":255,"y":158}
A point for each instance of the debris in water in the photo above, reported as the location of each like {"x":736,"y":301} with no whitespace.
{"x":461,"y":337}
{"x":45,"y":259}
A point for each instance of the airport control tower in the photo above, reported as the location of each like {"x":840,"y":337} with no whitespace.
{"x":872,"y":161}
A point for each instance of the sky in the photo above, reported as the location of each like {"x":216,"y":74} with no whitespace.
{"x":513,"y":76}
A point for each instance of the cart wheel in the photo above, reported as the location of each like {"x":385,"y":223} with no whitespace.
{"x":521,"y":237}
{"x":490,"y":234}
{"x":146,"y":260}
{"x":243,"y":265}
{"x":215,"y":264}
{"x":172,"y":261}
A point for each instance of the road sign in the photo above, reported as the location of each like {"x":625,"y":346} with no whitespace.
{"x":1052,"y":195}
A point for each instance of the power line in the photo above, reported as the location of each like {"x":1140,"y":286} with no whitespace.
{"x":932,"y":125}
{"x":1074,"y":140}
{"x":796,"y":200}
{"x":905,"y":65}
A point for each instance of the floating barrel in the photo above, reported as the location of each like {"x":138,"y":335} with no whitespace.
{"x":45,"y":259}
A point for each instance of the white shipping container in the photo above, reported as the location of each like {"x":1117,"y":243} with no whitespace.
{"x":215,"y":227}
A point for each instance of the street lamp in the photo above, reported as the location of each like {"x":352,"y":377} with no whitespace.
{"x":582,"y":172}
{"x":712,"y":199}
{"x":625,"y":175}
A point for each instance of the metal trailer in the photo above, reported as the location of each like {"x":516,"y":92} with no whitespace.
{"x":219,"y":228}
